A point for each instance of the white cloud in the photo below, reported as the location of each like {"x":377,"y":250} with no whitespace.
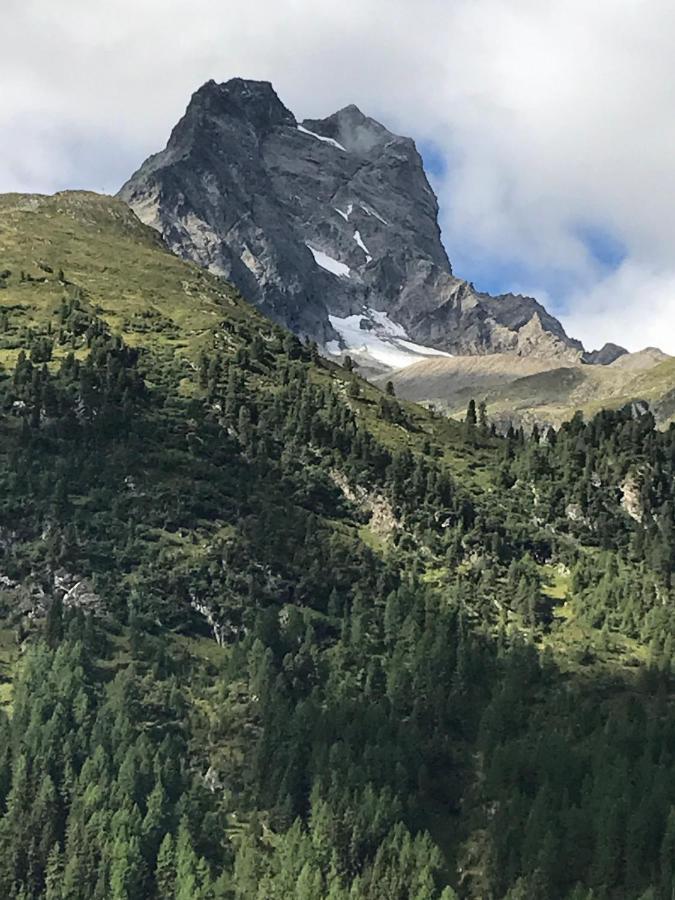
{"x":633,"y":306}
{"x":555,"y":116}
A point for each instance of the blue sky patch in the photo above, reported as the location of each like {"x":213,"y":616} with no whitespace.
{"x":435,"y":163}
{"x":605,"y":247}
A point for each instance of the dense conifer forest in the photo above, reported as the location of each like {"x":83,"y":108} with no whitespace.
{"x":268,"y":632}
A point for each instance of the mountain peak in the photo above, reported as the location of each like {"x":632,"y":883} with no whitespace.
{"x":317,"y":222}
{"x":352,"y":114}
{"x":352,"y":128}
{"x":254,"y":101}
{"x":606,"y":355}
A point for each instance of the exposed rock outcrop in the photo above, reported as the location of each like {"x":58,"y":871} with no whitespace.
{"x":76,"y":592}
{"x":631,"y":497}
{"x":33,"y":597}
{"x":605,"y":356}
{"x":382,"y":519}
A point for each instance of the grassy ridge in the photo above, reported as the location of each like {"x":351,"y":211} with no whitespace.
{"x":536,"y":390}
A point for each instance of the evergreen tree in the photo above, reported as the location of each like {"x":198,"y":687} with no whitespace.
{"x":165,"y":870}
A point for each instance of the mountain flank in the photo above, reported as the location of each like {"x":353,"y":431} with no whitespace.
{"x":269,"y":632}
{"x":323,"y":224}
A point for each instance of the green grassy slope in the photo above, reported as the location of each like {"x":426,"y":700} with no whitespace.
{"x":140,"y":289}
{"x":153,"y":299}
{"x":85,"y":248}
{"x":328,"y":621}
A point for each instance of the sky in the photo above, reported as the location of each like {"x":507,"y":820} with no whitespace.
{"x":547,"y":126}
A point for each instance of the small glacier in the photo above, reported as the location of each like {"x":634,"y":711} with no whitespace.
{"x":383,"y":341}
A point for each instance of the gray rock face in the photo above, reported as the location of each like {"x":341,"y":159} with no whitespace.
{"x":329,"y":217}
{"x":605,"y":356}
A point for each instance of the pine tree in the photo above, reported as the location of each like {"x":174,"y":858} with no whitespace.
{"x":483,"y":417}
{"x":470,"y":422}
{"x":154,"y":821}
{"x":54,"y":623}
{"x":165,"y":870}
{"x":126,"y":869}
{"x":309,"y":884}
{"x":187,"y":884}
{"x":54,"y":874}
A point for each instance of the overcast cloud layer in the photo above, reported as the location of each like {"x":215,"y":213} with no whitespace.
{"x":550,"y":122}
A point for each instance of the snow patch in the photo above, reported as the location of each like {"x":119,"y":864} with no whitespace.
{"x":425,"y":351}
{"x":382,"y":340}
{"x":347,"y":214}
{"x":385,"y":324}
{"x":321,"y":137}
{"x":359,"y":241}
{"x":368,"y":342}
{"x":329,"y":263}
{"x":369,"y":211}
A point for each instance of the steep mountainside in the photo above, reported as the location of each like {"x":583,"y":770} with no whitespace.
{"x":268,"y":632}
{"x":329,"y":226}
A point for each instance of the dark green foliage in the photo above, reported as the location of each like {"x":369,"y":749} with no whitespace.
{"x":363,"y":699}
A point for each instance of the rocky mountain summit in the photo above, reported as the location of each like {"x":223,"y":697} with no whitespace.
{"x":329,"y":226}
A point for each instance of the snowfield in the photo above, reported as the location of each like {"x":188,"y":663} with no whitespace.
{"x":385,"y":342}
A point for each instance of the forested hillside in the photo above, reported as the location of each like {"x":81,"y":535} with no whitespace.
{"x":269,"y":632}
